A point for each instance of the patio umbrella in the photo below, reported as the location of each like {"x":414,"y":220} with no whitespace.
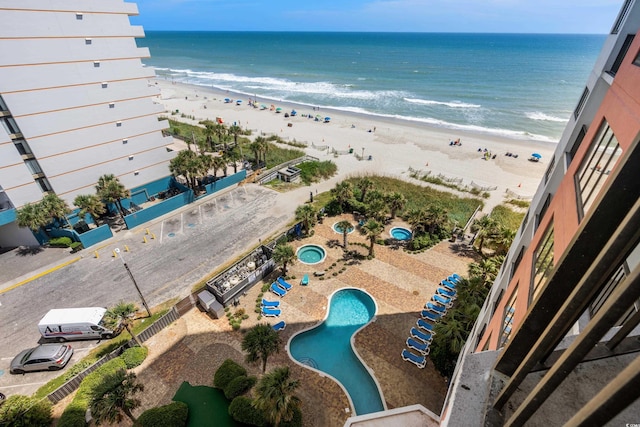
{"x":536,"y":156}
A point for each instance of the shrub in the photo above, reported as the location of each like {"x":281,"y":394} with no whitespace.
{"x":77,"y":368}
{"x":172,"y":415}
{"x":134,"y":356}
{"x":60,"y":242}
{"x":238,"y":386}
{"x":296,"y":420}
{"x":226,"y":373}
{"x":235,"y":326}
{"x":76,"y":246}
{"x":74,"y":413}
{"x":242,"y":411}
{"x":19,"y":411}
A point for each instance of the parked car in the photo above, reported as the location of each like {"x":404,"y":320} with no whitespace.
{"x":50,"y":357}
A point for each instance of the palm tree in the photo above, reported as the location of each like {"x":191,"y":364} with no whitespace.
{"x":376,"y":205}
{"x":364,"y":185}
{"x":503,"y":239}
{"x":219,"y":129}
{"x":436,"y":218}
{"x":233,"y":156}
{"x":260,"y":342}
{"x":396,"y":202}
{"x":120,"y":316}
{"x":274,"y":396}
{"x":372,"y":229}
{"x":486,"y":227}
{"x":89,"y":204}
{"x":342,"y":193}
{"x":206,"y":164}
{"x":111,"y":190}
{"x":307,"y":214}
{"x":186,"y":163}
{"x":219,"y":164}
{"x":31,"y":215}
{"x":235,"y":130}
{"x":452,"y":331}
{"x":417,"y":218}
{"x":208,"y":133}
{"x":345,"y":226}
{"x":55,"y":208}
{"x":486,"y":269}
{"x":284,"y":254}
{"x":113,"y":397}
{"x":255,"y":148}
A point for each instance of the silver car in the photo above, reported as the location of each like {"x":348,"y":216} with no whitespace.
{"x":45,"y":357}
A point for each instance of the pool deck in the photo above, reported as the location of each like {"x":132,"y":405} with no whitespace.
{"x":192,"y":348}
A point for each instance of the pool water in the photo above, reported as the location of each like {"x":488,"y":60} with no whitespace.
{"x":311,"y":254}
{"x":327,"y":348}
{"x":400,"y":233}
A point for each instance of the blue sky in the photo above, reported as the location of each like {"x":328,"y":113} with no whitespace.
{"x":499,"y":16}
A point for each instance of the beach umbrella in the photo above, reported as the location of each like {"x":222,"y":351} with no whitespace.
{"x":294,"y":112}
{"x":536,"y":156}
{"x":227,"y":100}
{"x":263,"y":107}
{"x":239,"y":101}
{"x":278,"y":109}
{"x":326,"y":119}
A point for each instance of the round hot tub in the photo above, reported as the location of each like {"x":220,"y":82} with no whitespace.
{"x":400,"y":233}
{"x":311,"y":254}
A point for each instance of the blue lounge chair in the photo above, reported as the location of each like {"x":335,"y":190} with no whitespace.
{"x":271,"y":312}
{"x":270,"y":304}
{"x":284,"y":284}
{"x":446,"y":301}
{"x":426,"y":326}
{"x":305,"y":280}
{"x":430,"y":315}
{"x":419,"y":346}
{"x":455,"y":276}
{"x":436,"y":307}
{"x":279,"y":326}
{"x":447,"y":293}
{"x":419,"y":361}
{"x":448,"y":284}
{"x":422,"y":336}
{"x":277,"y":290}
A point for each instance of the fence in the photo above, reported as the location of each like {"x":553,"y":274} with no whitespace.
{"x":270,"y":174}
{"x":174,"y":314}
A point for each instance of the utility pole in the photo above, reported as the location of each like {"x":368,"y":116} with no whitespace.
{"x":126,"y":267}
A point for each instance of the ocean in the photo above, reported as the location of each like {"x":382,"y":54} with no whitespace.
{"x":521,"y":86}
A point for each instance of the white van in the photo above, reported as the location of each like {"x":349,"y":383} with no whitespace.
{"x":64,"y":324}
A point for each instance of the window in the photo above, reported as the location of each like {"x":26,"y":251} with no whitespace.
{"x":3,"y":105}
{"x":524,"y":222}
{"x":497,"y":302}
{"x":574,"y":148}
{"x":583,"y":99}
{"x":10,"y":125}
{"x":607,"y":289}
{"x":22,"y":146}
{"x":104,"y":85}
{"x":88,"y":41}
{"x":516,"y":263}
{"x":96,"y":64}
{"x":622,"y":16}
{"x":507,"y":324}
{"x":112,"y":105}
{"x":118,"y":124}
{"x":79,"y":16}
{"x":621,"y":55}
{"x":637,"y":60}
{"x":543,"y":262}
{"x":543,"y":210}
{"x":601,"y":158}
{"x":44,"y":185}
{"x":125,"y":141}
{"x":479,"y":336}
{"x":547,"y":174}
{"x":33,"y":167}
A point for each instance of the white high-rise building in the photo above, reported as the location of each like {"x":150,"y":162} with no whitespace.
{"x":75,"y":103}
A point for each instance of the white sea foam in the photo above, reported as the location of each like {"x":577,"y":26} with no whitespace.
{"x":452,"y":104}
{"x":537,"y":115}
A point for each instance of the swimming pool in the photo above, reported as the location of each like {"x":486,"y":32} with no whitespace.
{"x":339,"y":230}
{"x":311,"y":254}
{"x":328,"y":348}
{"x":400,"y":233}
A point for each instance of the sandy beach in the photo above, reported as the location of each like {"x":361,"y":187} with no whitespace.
{"x":394,"y":145}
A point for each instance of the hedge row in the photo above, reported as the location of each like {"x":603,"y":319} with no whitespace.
{"x":25,"y":411}
{"x":172,"y":415}
{"x":74,"y":413}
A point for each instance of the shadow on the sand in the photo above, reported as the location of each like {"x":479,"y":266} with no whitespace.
{"x":29,"y":250}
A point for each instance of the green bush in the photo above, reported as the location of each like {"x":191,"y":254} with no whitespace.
{"x":19,"y":411}
{"x":77,"y":368}
{"x":226,"y":373}
{"x":60,"y":242}
{"x":296,"y":420}
{"x":134,"y":356}
{"x":242,"y":411}
{"x":74,"y":413}
{"x":238,"y":386}
{"x":76,"y":246}
{"x":174,"y":414}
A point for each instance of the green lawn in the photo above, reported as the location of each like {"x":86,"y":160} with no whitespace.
{"x":207,"y":406}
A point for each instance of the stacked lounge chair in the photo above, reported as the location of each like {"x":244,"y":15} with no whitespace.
{"x":277,"y":290}
{"x":270,"y":304}
{"x":283,"y":283}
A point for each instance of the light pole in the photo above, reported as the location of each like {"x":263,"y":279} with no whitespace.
{"x":117,"y":250}
{"x":362,"y":153}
